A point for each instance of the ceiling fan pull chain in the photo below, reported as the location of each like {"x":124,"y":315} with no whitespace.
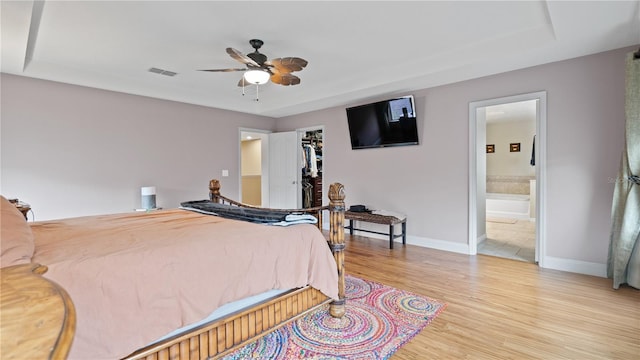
{"x":257,"y":94}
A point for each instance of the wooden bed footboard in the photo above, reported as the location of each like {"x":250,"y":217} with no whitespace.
{"x":219,"y":337}
{"x":38,"y":319}
{"x":336,"y":210}
{"x":214,"y":340}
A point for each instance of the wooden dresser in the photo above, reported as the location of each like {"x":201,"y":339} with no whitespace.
{"x":317,"y":190}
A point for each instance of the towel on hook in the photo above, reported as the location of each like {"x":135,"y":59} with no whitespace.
{"x":533,"y":152}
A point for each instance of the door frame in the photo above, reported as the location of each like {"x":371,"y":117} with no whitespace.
{"x":541,"y":168}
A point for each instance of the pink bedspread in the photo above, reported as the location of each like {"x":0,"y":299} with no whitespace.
{"x":135,"y":277}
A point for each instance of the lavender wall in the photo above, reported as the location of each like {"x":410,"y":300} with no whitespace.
{"x":429,"y":182}
{"x":70,"y":150}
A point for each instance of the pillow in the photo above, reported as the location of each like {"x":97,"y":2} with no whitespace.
{"x":16,"y":239}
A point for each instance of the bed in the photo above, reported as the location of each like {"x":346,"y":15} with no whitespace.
{"x":106,"y":294}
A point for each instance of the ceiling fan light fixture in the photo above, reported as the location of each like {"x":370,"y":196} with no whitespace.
{"x":256,"y":77}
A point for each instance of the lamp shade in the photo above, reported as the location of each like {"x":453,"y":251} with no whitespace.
{"x":256,"y":77}
{"x":148,"y":196}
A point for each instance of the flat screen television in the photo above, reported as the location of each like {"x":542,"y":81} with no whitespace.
{"x":385,"y":123}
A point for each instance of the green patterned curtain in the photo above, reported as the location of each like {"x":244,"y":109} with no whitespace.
{"x":624,"y":250}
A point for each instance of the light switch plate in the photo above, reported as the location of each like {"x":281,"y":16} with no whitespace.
{"x":225,"y":173}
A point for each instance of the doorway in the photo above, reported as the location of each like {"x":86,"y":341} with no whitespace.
{"x":283,"y":169}
{"x":254,"y":167}
{"x":510,"y":181}
{"x":507,"y":172}
{"x":311,"y":188}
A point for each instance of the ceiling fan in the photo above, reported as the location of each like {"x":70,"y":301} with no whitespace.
{"x":259,"y":70}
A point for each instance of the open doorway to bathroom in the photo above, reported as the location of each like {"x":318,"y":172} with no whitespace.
{"x":510,"y":181}
{"x":507,"y":177}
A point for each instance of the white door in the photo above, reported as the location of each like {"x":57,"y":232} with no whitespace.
{"x":283,"y":170}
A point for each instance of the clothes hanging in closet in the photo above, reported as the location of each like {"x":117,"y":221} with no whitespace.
{"x":307,"y":194}
{"x":310,"y":161}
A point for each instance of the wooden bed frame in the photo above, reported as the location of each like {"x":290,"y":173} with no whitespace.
{"x":210,"y":340}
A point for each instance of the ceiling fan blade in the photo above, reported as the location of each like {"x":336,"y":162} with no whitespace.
{"x":280,"y":69}
{"x":288,"y":64}
{"x":285,"y":79}
{"x":241,"y":57}
{"x":242,"y":82}
{"x":223,"y":70}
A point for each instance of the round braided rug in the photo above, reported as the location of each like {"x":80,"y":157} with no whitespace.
{"x":378,"y":320}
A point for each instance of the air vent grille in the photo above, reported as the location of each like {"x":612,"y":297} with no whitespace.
{"x":162,"y":72}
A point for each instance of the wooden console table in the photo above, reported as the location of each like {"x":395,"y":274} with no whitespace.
{"x":377,"y":219}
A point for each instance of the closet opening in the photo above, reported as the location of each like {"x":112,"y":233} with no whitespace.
{"x":311,"y":175}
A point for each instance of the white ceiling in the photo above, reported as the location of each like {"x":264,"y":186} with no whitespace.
{"x":512,"y":112}
{"x":357,"y":50}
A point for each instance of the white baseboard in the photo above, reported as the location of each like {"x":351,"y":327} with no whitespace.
{"x":421,"y":241}
{"x":575,"y":266}
{"x":482,"y":238}
{"x":461,"y":248}
{"x":569,"y":265}
{"x":507,"y":215}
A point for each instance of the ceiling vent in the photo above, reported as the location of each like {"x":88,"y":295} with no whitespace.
{"x":162,"y":72}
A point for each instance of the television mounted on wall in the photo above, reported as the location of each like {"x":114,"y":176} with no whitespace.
{"x":384,"y":123}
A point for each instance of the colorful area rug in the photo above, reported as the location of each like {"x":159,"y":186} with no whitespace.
{"x":378,"y":321}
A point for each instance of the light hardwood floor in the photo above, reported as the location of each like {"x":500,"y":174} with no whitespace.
{"x":501,"y":308}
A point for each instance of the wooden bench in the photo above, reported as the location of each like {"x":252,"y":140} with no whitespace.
{"x":377,"y":219}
